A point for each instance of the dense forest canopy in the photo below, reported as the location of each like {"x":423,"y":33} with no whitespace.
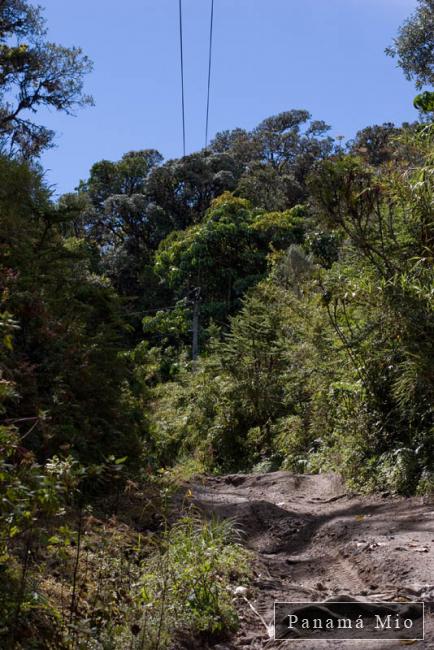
{"x":303,"y":266}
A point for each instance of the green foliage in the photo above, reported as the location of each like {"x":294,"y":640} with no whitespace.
{"x":65,"y":351}
{"x":424,"y":102}
{"x":226,"y":254}
{"x":185,"y":584}
{"x":32,"y":495}
{"x":304,"y":268}
{"x":34,"y":73}
{"x":216,"y":256}
{"x":126,"y":209}
{"x":326,"y":366}
{"x":379,"y":303}
{"x":278,"y":230}
{"x":377,"y":144}
{"x":231,"y":412}
{"x":413,"y":47}
{"x":168,"y":326}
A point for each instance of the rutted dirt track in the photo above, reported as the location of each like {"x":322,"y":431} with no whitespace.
{"x":314,"y":541}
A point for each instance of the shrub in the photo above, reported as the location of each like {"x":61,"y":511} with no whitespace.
{"x":185,"y":584}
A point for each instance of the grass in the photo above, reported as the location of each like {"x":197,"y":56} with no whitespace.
{"x":185,"y":585}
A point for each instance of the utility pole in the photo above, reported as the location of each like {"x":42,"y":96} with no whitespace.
{"x":195,"y":342}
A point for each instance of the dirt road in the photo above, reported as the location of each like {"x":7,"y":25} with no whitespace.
{"x":312,"y":540}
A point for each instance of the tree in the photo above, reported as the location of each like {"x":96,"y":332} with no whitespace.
{"x":128,"y":176}
{"x":379,"y":299}
{"x":227,"y":253}
{"x":376,"y":143}
{"x":64,"y":353}
{"x":424,"y":102}
{"x":218,"y":256}
{"x":267,"y":188}
{"x":34,"y":73}
{"x":117,"y":215}
{"x":414,"y":45}
{"x":119,"y":209}
{"x":185,"y":188}
{"x":276,"y":157}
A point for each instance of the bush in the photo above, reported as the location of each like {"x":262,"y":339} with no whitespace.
{"x":185,"y":584}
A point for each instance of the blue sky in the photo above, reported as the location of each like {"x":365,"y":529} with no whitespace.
{"x":326,"y":56}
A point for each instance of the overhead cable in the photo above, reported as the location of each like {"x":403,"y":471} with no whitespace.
{"x":181,"y":43}
{"x":211,"y":29}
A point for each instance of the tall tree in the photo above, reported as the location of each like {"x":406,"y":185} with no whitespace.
{"x":34,"y":73}
{"x":414,"y":45}
{"x":276,"y":157}
{"x":375,"y":143}
{"x":225,"y":254}
{"x":64,"y":352}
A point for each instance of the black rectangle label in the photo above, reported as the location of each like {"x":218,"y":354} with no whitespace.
{"x":349,"y":620}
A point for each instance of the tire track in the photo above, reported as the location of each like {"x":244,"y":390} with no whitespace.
{"x":314,"y":541}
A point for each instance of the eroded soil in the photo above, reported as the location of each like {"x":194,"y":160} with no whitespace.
{"x":312,"y":541}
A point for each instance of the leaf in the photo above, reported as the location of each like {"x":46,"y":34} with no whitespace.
{"x":424,"y":102}
{"x":7,"y":341}
{"x":120,"y":461}
{"x":14,"y":531}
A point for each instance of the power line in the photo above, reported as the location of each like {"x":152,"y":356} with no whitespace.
{"x":182,"y":73}
{"x":211,"y":28}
